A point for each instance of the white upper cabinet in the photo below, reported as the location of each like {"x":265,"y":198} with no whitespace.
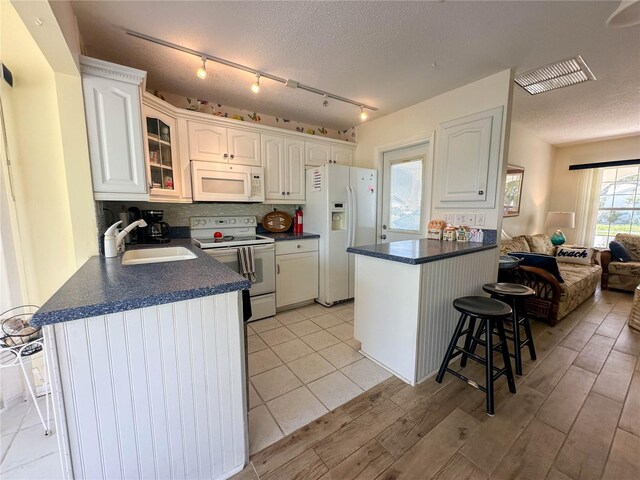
{"x":294,"y":156}
{"x":283,"y":169}
{"x":466,"y":167}
{"x":317,"y":154}
{"x":213,"y":143}
{"x":273,"y":158}
{"x":243,"y":147}
{"x":114,"y":128}
{"x":207,"y":142}
{"x":342,"y":155}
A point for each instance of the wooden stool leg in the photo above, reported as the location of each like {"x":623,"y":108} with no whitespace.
{"x":467,"y":341}
{"x":516,"y":337}
{"x":489,"y":365}
{"x":452,"y":345}
{"x":506,"y":358}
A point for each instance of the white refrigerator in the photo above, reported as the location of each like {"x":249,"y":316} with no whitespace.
{"x":341,"y":207}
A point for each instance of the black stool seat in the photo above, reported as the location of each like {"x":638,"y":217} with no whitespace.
{"x":482,"y":307}
{"x":492,"y":314}
{"x":515,"y":295}
{"x":508,"y":289}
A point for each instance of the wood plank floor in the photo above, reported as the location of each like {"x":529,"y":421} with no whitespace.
{"x":575,"y":416}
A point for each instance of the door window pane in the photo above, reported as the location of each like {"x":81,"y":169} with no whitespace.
{"x":405,"y":195}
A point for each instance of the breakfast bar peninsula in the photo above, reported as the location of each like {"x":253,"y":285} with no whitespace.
{"x":404,"y":291}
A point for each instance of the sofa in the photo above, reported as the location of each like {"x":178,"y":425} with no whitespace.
{"x":554,"y":299}
{"x":622,"y":275}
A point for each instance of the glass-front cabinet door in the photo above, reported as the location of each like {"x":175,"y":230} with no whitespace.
{"x":161,"y":143}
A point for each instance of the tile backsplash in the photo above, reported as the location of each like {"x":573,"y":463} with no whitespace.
{"x":177,"y":214}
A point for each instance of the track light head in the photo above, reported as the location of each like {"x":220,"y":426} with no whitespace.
{"x":363,"y":114}
{"x":325,"y":102}
{"x":202,"y":71}
{"x":255,"y":88}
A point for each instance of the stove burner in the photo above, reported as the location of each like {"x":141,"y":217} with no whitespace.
{"x":226,"y":238}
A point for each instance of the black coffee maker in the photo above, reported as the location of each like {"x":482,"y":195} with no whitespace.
{"x":156,"y":230}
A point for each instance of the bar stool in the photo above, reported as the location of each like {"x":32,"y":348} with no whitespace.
{"x":514,"y":295}
{"x":491,"y":313}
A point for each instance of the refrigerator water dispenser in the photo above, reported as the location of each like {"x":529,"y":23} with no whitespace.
{"x":338,"y":217}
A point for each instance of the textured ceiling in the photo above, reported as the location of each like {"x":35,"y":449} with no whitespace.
{"x":380,"y":53}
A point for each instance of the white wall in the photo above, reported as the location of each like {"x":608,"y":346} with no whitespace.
{"x":565,"y":183}
{"x":422,"y":120}
{"x":47,"y":143}
{"x":536,"y":156}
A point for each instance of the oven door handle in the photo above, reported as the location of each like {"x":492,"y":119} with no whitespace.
{"x":255,"y":248}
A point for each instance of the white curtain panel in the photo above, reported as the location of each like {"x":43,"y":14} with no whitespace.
{"x":587,"y":205}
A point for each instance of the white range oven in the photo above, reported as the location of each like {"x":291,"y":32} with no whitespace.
{"x":221,"y":237}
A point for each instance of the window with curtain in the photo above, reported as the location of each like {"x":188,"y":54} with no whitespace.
{"x":619,"y":204}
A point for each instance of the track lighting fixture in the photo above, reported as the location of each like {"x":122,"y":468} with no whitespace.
{"x":255,"y":88}
{"x":202,"y":71}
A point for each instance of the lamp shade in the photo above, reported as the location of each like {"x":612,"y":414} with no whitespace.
{"x":561,"y":219}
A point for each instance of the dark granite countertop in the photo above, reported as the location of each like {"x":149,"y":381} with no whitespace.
{"x":284,"y":236}
{"x":103,"y":285}
{"x":416,"y":252}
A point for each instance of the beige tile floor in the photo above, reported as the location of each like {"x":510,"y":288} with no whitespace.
{"x":302,"y":364}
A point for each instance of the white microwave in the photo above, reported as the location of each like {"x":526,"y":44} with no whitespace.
{"x":219,"y":182}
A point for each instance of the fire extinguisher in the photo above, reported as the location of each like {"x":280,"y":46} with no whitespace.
{"x":297,"y":227}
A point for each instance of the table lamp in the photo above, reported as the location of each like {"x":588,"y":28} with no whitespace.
{"x":560,"y":220}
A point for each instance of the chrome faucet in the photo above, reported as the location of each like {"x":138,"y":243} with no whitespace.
{"x":112,"y":241}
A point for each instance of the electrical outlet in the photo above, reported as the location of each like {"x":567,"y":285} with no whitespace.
{"x":460,"y":219}
{"x":480,"y":219}
{"x":448,"y":218}
{"x":470,"y":219}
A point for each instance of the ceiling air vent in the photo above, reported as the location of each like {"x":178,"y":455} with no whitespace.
{"x":555,"y":75}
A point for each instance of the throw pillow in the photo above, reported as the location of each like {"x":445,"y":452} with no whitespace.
{"x":618,"y":252}
{"x":540,"y":243}
{"x":579,"y":255}
{"x":516,"y":244}
{"x":540,"y":260}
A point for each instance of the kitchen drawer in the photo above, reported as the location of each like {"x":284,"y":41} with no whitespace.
{"x":296,"y":246}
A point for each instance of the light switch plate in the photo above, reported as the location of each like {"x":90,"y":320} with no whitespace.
{"x":480,"y":219}
{"x":470,"y":219}
{"x":460,"y":219}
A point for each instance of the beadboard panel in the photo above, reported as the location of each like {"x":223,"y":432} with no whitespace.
{"x":443,"y":281}
{"x":157,"y":392}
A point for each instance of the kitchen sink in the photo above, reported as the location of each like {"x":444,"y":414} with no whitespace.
{"x":157,"y":255}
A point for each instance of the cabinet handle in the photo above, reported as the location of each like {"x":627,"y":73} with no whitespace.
{"x":480,"y":192}
{"x":288,"y":193}
{"x":150,"y":186}
{"x":299,"y":246}
{"x":283,"y":194}
{"x":226,"y":155}
{"x":278,"y":269}
{"x":232,"y":155}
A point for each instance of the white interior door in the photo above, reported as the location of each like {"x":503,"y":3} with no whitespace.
{"x":405,"y":194}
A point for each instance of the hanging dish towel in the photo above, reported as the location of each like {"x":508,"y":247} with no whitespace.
{"x":247,"y":263}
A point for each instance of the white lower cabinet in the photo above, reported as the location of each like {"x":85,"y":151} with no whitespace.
{"x":296,"y":272}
